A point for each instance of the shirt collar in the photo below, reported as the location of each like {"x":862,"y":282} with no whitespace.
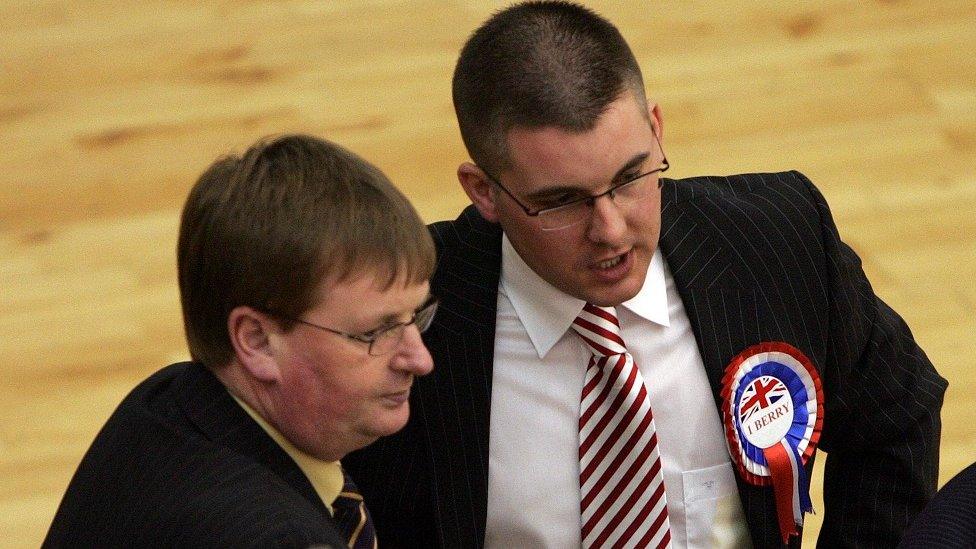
{"x":547,"y":312}
{"x":325,"y":476}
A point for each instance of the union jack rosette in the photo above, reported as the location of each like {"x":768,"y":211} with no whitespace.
{"x":772,"y":410}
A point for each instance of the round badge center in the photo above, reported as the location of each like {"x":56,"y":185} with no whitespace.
{"x":765,"y":411}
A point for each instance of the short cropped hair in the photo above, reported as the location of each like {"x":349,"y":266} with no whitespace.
{"x":265,"y":229}
{"x":534,"y":65}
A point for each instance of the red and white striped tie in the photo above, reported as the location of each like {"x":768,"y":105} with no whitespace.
{"x":621,"y":484}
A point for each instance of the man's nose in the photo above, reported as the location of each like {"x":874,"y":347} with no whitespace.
{"x":412,"y":355}
{"x":607,"y":221}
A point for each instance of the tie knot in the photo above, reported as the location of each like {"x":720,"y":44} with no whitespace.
{"x":349,"y":496}
{"x":600,"y":330}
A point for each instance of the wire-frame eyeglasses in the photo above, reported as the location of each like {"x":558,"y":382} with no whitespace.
{"x":384,"y":339}
{"x":571,"y":209}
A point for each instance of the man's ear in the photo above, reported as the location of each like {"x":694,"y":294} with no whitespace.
{"x":250,"y":334}
{"x":480,"y":190}
{"x":657,"y":122}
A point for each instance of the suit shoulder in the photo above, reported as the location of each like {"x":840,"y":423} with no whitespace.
{"x":184,"y":493}
{"x":468,"y":230}
{"x":153,"y":478}
{"x":791,"y":186}
{"x":757,"y":203}
{"x":468,"y":251}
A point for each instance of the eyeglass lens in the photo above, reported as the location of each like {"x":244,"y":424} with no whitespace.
{"x":571,"y":214}
{"x":386,"y":341}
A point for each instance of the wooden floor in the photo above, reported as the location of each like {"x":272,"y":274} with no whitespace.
{"x":109,"y":110}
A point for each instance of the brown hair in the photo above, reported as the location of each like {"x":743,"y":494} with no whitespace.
{"x":538,"y":64}
{"x":266,"y":228}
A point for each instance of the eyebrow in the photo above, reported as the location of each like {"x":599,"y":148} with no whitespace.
{"x":634,"y":162}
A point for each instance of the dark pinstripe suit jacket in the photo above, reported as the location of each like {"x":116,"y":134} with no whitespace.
{"x":755,"y":258}
{"x":180,"y":464}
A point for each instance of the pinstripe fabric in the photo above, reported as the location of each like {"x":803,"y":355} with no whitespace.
{"x":755,"y":258}
{"x":180,"y":464}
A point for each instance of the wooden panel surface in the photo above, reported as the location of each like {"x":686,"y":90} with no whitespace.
{"x":109,"y":111}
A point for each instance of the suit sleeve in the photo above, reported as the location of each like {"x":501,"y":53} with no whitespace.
{"x":881,"y":419}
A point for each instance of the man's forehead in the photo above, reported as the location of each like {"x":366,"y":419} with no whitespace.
{"x":550,"y":157}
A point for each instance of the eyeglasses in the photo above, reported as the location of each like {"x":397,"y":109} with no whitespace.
{"x":574,"y":209}
{"x":384,"y":339}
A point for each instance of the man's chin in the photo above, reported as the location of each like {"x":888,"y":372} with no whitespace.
{"x":387,"y":427}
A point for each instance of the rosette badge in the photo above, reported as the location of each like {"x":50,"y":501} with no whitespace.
{"x":772,"y":410}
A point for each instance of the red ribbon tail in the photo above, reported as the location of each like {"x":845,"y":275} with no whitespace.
{"x":782,"y":473}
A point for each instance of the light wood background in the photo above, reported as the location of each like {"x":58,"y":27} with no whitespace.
{"x":109,"y":110}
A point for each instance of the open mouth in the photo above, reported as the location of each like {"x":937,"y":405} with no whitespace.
{"x":610,"y":263}
{"x":613,"y":269}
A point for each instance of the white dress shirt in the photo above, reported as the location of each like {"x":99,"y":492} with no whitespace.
{"x":533,"y":463}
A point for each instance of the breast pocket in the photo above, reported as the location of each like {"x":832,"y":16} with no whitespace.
{"x":713,"y":511}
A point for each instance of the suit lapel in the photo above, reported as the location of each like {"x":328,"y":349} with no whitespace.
{"x":724,"y":305}
{"x":718,"y":296}
{"x":207,"y":404}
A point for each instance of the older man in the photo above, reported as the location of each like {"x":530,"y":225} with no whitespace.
{"x":304,"y":281}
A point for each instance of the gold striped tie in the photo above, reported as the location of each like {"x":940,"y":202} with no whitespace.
{"x":352,"y":518}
